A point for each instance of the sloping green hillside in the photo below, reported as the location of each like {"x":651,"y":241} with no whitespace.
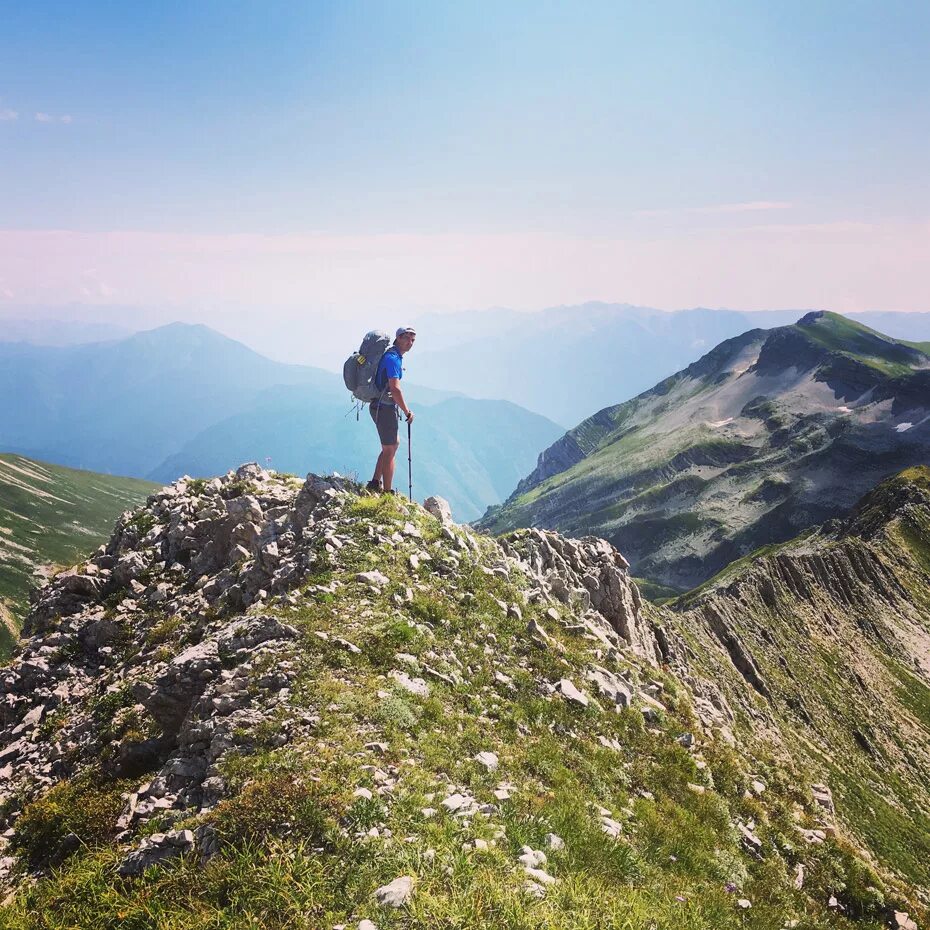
{"x":823,"y":646}
{"x":50,"y":514}
{"x":769,"y":433}
{"x":334,"y":709}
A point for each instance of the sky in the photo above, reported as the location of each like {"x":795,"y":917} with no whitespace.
{"x":256,"y":165}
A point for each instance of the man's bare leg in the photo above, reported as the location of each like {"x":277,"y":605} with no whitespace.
{"x":386,"y":466}
{"x":376,"y":478}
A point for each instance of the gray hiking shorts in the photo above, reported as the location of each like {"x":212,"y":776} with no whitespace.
{"x":386,"y":419}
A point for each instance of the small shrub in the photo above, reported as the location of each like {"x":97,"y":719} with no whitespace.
{"x":162,"y":631}
{"x":51,"y":725}
{"x":81,"y":812}
{"x":105,"y":708}
{"x":276,"y":806}
{"x":364,"y":814}
{"x":239,"y":488}
{"x":427,"y":608}
{"x":389,"y":638}
{"x":142,"y":521}
{"x":396,"y":712}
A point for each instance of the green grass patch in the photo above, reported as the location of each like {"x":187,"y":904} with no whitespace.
{"x":81,"y":813}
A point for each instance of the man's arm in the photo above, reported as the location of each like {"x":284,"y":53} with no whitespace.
{"x":398,"y":395}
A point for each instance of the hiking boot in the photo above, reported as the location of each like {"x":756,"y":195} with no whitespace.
{"x":373,"y":486}
{"x":392,"y":492}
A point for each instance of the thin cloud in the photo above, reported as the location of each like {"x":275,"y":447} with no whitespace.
{"x":750,"y":206}
{"x":48,"y":118}
{"x":838,"y":226}
{"x":7,"y":115}
{"x":43,"y":118}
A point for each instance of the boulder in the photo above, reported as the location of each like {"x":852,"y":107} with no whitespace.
{"x":439,"y":507}
{"x":396,"y":894}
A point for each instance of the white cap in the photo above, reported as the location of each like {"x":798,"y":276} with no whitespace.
{"x":403,"y":330}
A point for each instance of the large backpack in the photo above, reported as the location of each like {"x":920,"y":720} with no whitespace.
{"x":361,"y":367}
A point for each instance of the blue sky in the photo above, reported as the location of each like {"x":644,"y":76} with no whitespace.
{"x":668,"y":140}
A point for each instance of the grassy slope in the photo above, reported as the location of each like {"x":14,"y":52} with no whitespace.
{"x":837,"y":333}
{"x":845,"y":694}
{"x":50,"y":514}
{"x":294,"y":850}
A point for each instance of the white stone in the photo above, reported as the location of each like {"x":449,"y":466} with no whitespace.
{"x":531,"y":858}
{"x":374,"y":578}
{"x":439,"y":508}
{"x":415,"y":686}
{"x":395,"y":894}
{"x":571,"y":693}
{"x":488,"y":759}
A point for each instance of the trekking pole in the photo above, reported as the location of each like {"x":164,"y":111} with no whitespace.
{"x":409,"y":462}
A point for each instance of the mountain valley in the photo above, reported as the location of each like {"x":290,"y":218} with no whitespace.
{"x":186,"y":400}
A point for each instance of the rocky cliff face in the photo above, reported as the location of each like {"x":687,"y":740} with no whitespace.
{"x":766,"y":435}
{"x":276,"y":700}
{"x":823,"y":647}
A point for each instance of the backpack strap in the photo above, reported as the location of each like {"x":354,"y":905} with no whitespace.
{"x":379,"y":383}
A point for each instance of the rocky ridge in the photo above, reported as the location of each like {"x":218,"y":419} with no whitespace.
{"x":97,"y":674}
{"x":262,"y":663}
{"x":831,"y":634}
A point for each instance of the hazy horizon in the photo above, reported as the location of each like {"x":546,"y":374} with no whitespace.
{"x":298,"y":341}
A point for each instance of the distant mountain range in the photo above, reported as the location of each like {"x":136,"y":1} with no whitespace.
{"x":568,"y":362}
{"x":185,"y":399}
{"x":768,"y":434}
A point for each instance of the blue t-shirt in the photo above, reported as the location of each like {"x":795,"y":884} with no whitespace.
{"x":389,"y":367}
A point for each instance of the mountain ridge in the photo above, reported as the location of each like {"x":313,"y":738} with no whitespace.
{"x":370,"y":713}
{"x":785,"y":426}
{"x":520,"y":355}
{"x":831,"y":632}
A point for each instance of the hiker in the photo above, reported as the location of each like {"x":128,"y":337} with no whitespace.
{"x":387,"y":407}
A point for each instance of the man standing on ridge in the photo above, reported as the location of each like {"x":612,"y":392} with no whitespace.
{"x":386,"y":409}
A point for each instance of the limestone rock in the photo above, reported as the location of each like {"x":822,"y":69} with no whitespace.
{"x":488,"y":759}
{"x":591,"y":572}
{"x":439,"y":508}
{"x":374,"y":578}
{"x":568,"y":690}
{"x":396,"y":894}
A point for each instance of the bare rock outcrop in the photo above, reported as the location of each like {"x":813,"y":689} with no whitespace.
{"x":592,"y":577}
